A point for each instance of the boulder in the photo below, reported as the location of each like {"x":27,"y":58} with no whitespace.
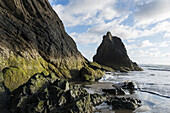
{"x":89,"y":74}
{"x":128,"y":85}
{"x":124,"y":103}
{"x":112,"y":53}
{"x":116,"y":91}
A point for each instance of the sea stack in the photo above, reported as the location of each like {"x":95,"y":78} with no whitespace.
{"x":112,"y":53}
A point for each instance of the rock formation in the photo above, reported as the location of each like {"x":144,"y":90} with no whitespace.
{"x":32,"y":40}
{"x":43,"y":94}
{"x":112,"y":53}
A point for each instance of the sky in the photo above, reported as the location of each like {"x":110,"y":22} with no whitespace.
{"x":143,"y":26}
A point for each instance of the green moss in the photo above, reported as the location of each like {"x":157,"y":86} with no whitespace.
{"x":45,"y":72}
{"x":98,"y":74}
{"x":17,"y":70}
{"x":88,"y":78}
{"x":1,"y":77}
{"x":89,"y":74}
{"x":87,"y":70}
{"x":14,"y":77}
{"x":54,"y":69}
{"x":95,"y":65}
{"x":66,"y":73}
{"x":108,"y":69}
{"x":122,"y":69}
{"x":39,"y":106}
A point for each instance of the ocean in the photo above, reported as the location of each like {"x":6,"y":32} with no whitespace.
{"x":153,"y":86}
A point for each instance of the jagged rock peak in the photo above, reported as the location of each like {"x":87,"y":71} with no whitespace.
{"x":109,"y":35}
{"x":112,"y":53}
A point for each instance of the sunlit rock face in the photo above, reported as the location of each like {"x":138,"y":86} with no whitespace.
{"x":112,"y":53}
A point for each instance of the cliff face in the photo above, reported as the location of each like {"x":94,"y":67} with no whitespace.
{"x":112,"y":53}
{"x":33,"y":40}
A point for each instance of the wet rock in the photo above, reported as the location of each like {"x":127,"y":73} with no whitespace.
{"x":110,"y":91}
{"x":116,"y":91}
{"x":128,"y":85}
{"x":123,"y":103}
{"x":112,"y":53}
{"x":97,"y":99}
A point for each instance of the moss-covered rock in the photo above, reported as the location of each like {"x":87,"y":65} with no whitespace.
{"x":89,"y":74}
{"x":14,"y":77}
{"x":123,"y":70}
{"x":95,"y":65}
{"x":107,"y":69}
{"x":98,"y":74}
{"x":88,"y":78}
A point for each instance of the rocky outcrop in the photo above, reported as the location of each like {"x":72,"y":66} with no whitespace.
{"x":33,"y":40}
{"x":49,"y":94}
{"x":112,"y":53}
{"x":43,"y":94}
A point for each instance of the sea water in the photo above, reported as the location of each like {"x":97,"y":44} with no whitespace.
{"x":154,"y":85}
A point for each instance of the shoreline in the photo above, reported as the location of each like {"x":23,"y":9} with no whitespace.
{"x":149,"y":100}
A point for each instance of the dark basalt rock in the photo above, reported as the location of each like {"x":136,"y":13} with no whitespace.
{"x":124,"y":103}
{"x":116,"y":91}
{"x":128,"y":85}
{"x":112,"y":53}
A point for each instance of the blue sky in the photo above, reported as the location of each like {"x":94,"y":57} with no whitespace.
{"x":143,"y":26}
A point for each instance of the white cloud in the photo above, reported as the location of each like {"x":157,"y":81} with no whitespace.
{"x":153,"y":49}
{"x":131,"y":41}
{"x":167,"y":55}
{"x":147,"y":43}
{"x":131,"y":46}
{"x":167,"y":35}
{"x":86,"y":38}
{"x":86,"y":12}
{"x":153,"y":11}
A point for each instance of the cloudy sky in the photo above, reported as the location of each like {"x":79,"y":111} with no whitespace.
{"x":143,"y":26}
